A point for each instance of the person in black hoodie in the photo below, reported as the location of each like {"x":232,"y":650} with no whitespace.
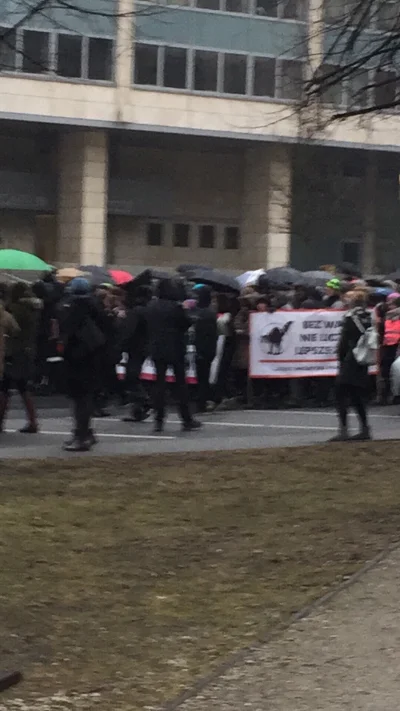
{"x":82,"y":327}
{"x":205,"y":341}
{"x":167,"y":324}
{"x":353,"y":378}
{"x":134,"y":341}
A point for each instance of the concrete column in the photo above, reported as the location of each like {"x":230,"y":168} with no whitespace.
{"x":124,"y":56}
{"x":266,"y":224}
{"x":369,"y":245}
{"x":315,"y":35}
{"x":82,"y":203}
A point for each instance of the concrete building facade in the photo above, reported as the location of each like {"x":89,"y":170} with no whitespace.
{"x":151,"y":134}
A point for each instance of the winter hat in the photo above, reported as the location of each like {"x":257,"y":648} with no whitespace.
{"x":394,"y":295}
{"x":334,"y":284}
{"x":79,"y":286}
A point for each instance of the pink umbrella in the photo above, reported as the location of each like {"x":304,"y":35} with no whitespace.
{"x":119,"y":276}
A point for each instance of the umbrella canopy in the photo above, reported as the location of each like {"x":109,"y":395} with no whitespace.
{"x":284,"y":275}
{"x":96,"y":275}
{"x":250,"y":278}
{"x":119,"y":276}
{"x":216,"y":279}
{"x":395,"y":276}
{"x":14,"y":260}
{"x":317,"y":278}
{"x":67,"y":274}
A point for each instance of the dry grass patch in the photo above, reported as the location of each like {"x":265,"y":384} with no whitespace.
{"x":131,"y":577}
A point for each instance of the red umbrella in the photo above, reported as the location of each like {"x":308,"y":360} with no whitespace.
{"x":119,"y":276}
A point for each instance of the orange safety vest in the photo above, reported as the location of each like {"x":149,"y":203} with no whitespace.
{"x":392,"y":332}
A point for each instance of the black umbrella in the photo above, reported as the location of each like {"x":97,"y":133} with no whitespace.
{"x":216,"y":279}
{"x":317,"y":278}
{"x":349,"y":269}
{"x":395,"y":276}
{"x":284,"y":275}
{"x":96,"y":275}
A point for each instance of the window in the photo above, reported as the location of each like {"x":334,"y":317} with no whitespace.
{"x":35,"y":55}
{"x":351,"y":252}
{"x":146,"y":64}
{"x":69,"y":58}
{"x":7,"y":49}
{"x":154,"y":234}
{"x":100,"y":59}
{"x":208,"y":4}
{"x":231,"y":238}
{"x":334,"y":11}
{"x":175,"y":60}
{"x":293,"y":9}
{"x":181,"y":235}
{"x":332,"y":93}
{"x":267,"y":8}
{"x":358,"y":91}
{"x":205,"y":71}
{"x":207,"y":236}
{"x":264,"y":77}
{"x":388,"y":15}
{"x":292,"y":80}
{"x":235,"y":73}
{"x":385,"y":87}
{"x":237,"y":6}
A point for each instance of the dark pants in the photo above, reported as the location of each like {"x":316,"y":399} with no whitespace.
{"x":351,"y":396}
{"x":83,"y":410}
{"x":203,"y":367}
{"x":223,"y":386}
{"x":137,"y":392}
{"x":181,"y":389}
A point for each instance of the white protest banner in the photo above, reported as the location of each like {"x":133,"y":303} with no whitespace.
{"x":294,"y":344}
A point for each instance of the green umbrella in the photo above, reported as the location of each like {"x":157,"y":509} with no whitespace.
{"x":14,"y":260}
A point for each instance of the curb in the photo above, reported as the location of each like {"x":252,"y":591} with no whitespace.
{"x":306,"y":611}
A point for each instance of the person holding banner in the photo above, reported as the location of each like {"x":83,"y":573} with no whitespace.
{"x":352,"y":382}
{"x":168,"y":324}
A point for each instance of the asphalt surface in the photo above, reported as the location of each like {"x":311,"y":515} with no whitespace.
{"x":244,"y":429}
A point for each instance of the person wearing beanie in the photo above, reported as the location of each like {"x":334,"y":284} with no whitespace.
{"x":332,"y":299}
{"x":82,"y":333}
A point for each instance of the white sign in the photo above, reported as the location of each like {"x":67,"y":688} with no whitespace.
{"x":295,"y":344}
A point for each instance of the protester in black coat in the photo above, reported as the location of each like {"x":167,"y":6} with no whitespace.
{"x":134,"y":341}
{"x":353,"y":379}
{"x":82,"y":327}
{"x":167,"y":324}
{"x":205,"y":341}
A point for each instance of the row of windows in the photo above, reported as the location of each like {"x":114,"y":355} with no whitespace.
{"x":66,"y":55}
{"x":283,"y":9}
{"x":382,"y":15}
{"x":378,"y":87}
{"x":225,"y":73}
{"x":187,"y":235}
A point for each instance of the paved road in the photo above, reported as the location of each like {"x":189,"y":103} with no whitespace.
{"x":246,"y":429}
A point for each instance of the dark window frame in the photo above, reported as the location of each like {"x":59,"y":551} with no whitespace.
{"x":233,"y":244}
{"x":159,"y":240}
{"x":176,"y":238}
{"x":204,"y":241}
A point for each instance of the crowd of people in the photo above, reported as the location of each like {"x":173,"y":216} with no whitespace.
{"x":71,"y":338}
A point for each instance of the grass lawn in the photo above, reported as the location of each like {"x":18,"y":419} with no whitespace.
{"x":130,"y":577}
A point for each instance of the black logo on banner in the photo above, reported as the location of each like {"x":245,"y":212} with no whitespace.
{"x":274,"y":339}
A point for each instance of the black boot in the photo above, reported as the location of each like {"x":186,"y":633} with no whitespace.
{"x":363,"y":436}
{"x":32,"y":426}
{"x":191,"y":425}
{"x":342,"y":435}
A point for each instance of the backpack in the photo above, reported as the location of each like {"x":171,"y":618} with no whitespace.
{"x":365,"y":351}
